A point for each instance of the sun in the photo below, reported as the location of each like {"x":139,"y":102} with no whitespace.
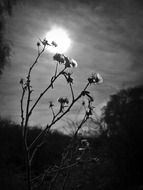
{"x":62,"y":39}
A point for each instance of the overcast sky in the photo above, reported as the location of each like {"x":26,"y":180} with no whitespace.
{"x":107,"y":37}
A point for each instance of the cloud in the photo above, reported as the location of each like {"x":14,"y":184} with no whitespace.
{"x":106,"y":38}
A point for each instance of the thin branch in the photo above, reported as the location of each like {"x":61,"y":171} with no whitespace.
{"x":81,"y":124}
{"x":28,"y":86}
{"x":30,"y":91}
{"x":53,"y":113}
{"x":57,"y":119}
{"x":71,"y":90}
{"x":36,"y":60}
{"x":27,"y":110}
{"x":65,"y":180}
{"x":56,"y":70}
{"x":22,"y":110}
{"x":40,"y":96}
{"x":35,"y":150}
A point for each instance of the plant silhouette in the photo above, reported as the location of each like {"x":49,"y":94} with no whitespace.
{"x":74,"y":154}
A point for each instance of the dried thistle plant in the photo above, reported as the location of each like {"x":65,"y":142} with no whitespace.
{"x":74,"y":154}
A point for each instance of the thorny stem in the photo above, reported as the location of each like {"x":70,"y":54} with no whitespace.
{"x":69,"y":166}
{"x":22,"y":110}
{"x":35,"y":150}
{"x":54,"y":179}
{"x":36,"y":60}
{"x":61,"y":167}
{"x":56,"y":119}
{"x":56,"y":69}
{"x":28,"y":170}
{"x":66,"y":178}
{"x":29,"y":90}
{"x":68,"y":109}
{"x":53,"y":171}
{"x":75,"y":134}
{"x":27,"y":108}
{"x":72,"y":91}
{"x":79,"y":127}
{"x":24,"y":126}
{"x":71,"y":88}
{"x":28,"y":113}
{"x":53,"y":112}
{"x":40,"y":96}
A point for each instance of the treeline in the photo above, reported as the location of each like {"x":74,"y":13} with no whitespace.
{"x":115,"y":156}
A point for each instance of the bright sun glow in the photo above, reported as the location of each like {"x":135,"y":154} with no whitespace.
{"x":61,"y":38}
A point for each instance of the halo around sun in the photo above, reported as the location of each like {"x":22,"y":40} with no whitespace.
{"x":61,"y":38}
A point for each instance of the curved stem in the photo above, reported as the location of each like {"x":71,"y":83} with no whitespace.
{"x":40,"y":96}
{"x":72,"y":91}
{"x":22,"y":110}
{"x":56,"y":119}
{"x":29,"y":91}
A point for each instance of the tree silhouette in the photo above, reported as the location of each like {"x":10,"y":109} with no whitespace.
{"x":5,"y":8}
{"x":124,"y":117}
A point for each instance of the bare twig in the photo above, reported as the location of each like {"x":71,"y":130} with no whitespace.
{"x":22,"y":110}
{"x":41,"y":95}
{"x":57,"y":119}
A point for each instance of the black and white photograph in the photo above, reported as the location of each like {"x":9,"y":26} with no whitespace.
{"x":71,"y":94}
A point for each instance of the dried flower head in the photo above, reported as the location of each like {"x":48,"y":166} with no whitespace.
{"x":59,"y":57}
{"x":63,"y":100}
{"x":69,"y":79}
{"x":83,"y":103}
{"x":51,"y":104}
{"x":71,"y":63}
{"x":95,"y":79}
{"x":21,"y":81}
{"x":45,"y":42}
{"x":54,"y":43}
{"x":89,"y":112}
{"x":38,"y":44}
{"x":67,"y":62}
